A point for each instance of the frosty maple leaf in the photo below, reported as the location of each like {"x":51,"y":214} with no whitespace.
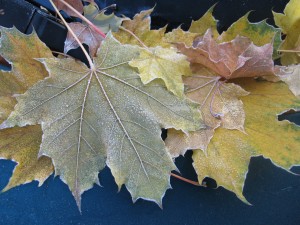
{"x":140,"y":27}
{"x":291,"y":76}
{"x":87,"y":34}
{"x":219,"y":100}
{"x":260,"y":33}
{"x":90,"y":117}
{"x":234,"y":59}
{"x":22,"y":144}
{"x":219,"y":105}
{"x":207,"y":21}
{"x":165,"y":64}
{"x":228,"y":155}
{"x":197,"y":28}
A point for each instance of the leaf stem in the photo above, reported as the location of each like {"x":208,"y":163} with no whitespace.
{"x":93,"y":26}
{"x":133,"y":35}
{"x":292,"y":51}
{"x":92,"y":66}
{"x":185,"y":179}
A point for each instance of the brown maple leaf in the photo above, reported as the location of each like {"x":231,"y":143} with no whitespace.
{"x":77,"y":4}
{"x":234,"y":59}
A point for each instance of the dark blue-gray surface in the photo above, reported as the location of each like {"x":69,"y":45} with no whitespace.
{"x":274,"y":193}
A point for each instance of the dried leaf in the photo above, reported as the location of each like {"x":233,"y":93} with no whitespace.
{"x":85,"y":35}
{"x":291,"y":76}
{"x":163,"y":63}
{"x":77,"y":4}
{"x":88,"y":35}
{"x":238,"y":58}
{"x":140,"y":26}
{"x":22,"y":144}
{"x":88,"y":115}
{"x":229,"y":152}
{"x":15,"y":45}
{"x":289,"y":22}
{"x":179,"y":36}
{"x":219,"y":106}
{"x":260,"y":33}
{"x":207,"y":21}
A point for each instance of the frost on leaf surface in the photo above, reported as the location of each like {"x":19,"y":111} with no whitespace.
{"x":163,"y":63}
{"x":219,"y":104}
{"x":22,"y":144}
{"x":90,"y":118}
{"x":234,"y":59}
{"x":87,"y":34}
{"x":229,"y":152}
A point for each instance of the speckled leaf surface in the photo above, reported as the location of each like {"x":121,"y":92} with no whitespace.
{"x":108,"y":115}
{"x":228,"y":154}
{"x":22,"y":144}
{"x":234,"y":59}
{"x":260,"y":33}
{"x":140,"y":26}
{"x":88,"y":35}
{"x":291,"y":76}
{"x":219,"y":104}
{"x":207,"y":21}
{"x":165,"y":64}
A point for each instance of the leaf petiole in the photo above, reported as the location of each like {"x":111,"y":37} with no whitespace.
{"x":185,"y":179}
{"x":83,"y":18}
{"x":92,"y":66}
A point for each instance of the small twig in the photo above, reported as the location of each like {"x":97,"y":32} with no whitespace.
{"x":133,"y":35}
{"x":63,"y":54}
{"x":185,"y":179}
{"x":92,"y":66}
{"x":93,"y":26}
{"x":292,"y":51}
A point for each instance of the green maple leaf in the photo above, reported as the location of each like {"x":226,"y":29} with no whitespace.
{"x":93,"y":117}
{"x":289,"y":22}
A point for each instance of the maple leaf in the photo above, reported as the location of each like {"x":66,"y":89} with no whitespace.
{"x":89,"y":115}
{"x":103,"y":21}
{"x":22,"y":144}
{"x":260,"y":33}
{"x":229,"y":152}
{"x":219,"y":105}
{"x":77,"y":4}
{"x":291,"y":76}
{"x":207,"y":21}
{"x":234,"y":59}
{"x":162,"y":63}
{"x":140,"y":27}
{"x":179,"y":36}
{"x":197,"y":28}
{"x":87,"y":34}
{"x":289,"y":22}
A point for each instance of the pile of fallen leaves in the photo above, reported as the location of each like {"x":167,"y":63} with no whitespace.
{"x":217,"y":94}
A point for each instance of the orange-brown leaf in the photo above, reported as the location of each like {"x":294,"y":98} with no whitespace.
{"x":77,"y":4}
{"x":234,"y":59}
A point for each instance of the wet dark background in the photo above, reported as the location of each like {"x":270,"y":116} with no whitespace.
{"x":273,"y":192}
